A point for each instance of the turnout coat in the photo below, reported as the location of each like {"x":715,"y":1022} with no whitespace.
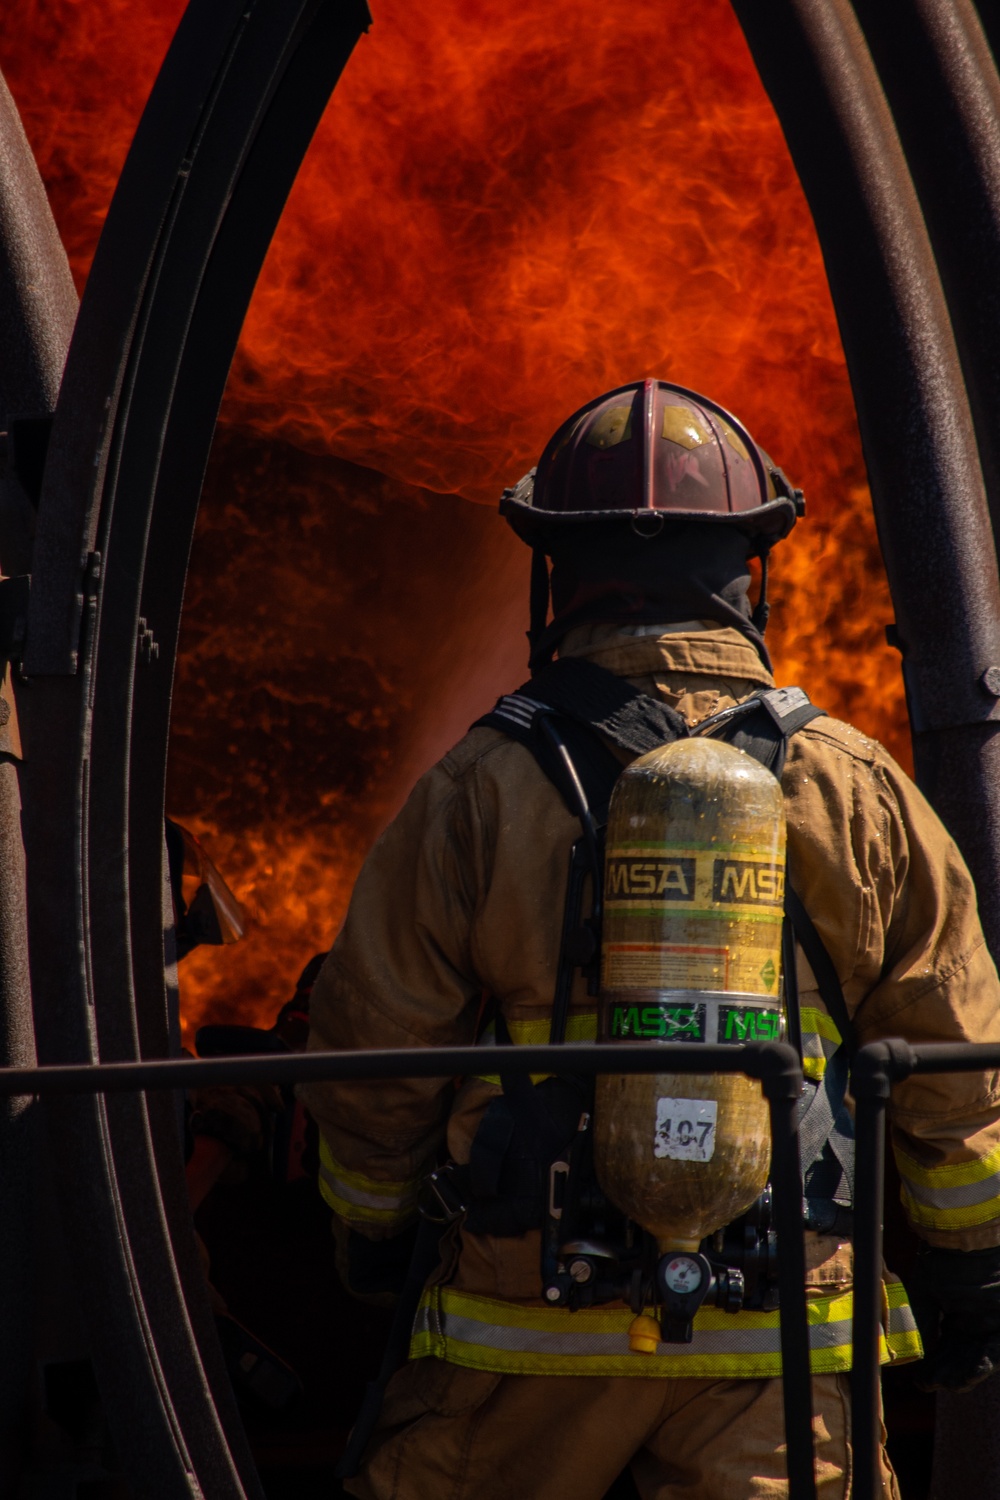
{"x":462,"y":896}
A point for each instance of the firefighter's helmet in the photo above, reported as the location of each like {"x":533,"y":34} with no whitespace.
{"x":649,"y":452}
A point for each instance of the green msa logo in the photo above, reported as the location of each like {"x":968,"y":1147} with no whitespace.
{"x":662,"y":1023}
{"x":739,"y":1023}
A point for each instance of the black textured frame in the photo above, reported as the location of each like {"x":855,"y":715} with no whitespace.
{"x":909,"y":384}
{"x":876,"y":1068}
{"x":232,"y":112}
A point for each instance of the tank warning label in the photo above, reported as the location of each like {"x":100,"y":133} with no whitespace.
{"x":663,"y":1021}
{"x":656,"y":879}
{"x":682,"y":966}
{"x":748,"y":882}
{"x":685,"y":1129}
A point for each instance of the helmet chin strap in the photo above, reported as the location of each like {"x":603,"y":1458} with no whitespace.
{"x":762,"y":609}
{"x":539,"y":597}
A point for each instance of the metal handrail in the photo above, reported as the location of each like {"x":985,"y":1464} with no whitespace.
{"x":775,"y":1064}
{"x":876,"y":1068}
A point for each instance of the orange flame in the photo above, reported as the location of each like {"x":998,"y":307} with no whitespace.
{"x":506,"y":210}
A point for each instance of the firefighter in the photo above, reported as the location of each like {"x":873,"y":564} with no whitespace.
{"x":226,"y":1123}
{"x":229,"y":1126}
{"x":649,"y":504}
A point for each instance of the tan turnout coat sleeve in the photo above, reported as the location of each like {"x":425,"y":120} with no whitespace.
{"x":462,"y":896}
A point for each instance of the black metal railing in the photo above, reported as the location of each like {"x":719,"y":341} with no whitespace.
{"x":876,"y":1068}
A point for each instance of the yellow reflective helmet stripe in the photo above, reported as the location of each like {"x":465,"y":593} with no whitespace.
{"x":820,"y":1040}
{"x":957,"y":1196}
{"x":509,"y":1338}
{"x":364,"y":1200}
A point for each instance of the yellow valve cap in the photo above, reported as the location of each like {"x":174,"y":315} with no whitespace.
{"x":644,"y":1334}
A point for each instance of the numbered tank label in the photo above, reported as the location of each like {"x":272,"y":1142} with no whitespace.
{"x":685,"y":1129}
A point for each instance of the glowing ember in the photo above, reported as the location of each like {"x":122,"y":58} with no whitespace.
{"x":507,"y":209}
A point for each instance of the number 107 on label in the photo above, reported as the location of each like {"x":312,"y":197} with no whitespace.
{"x":685,"y":1129}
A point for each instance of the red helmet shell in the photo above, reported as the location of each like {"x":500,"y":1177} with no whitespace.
{"x":652,"y":448}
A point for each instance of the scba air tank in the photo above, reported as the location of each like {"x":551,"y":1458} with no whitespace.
{"x":691,"y":952}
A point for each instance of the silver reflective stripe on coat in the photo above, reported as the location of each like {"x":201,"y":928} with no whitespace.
{"x":721,"y":1341}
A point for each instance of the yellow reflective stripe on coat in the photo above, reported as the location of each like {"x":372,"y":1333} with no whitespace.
{"x":483,"y":1333}
{"x":364,"y":1200}
{"x":958,"y":1196}
{"x":901,"y":1334}
{"x":580,"y":1027}
{"x":820,"y":1040}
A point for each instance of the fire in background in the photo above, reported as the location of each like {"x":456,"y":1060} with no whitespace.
{"x":507,"y":209}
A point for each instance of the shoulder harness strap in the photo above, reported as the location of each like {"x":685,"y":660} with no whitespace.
{"x":763,"y":724}
{"x":595,"y":697}
{"x":593,"y":707}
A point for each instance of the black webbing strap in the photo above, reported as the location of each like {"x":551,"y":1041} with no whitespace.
{"x":763,"y":724}
{"x":825,"y":1129}
{"x":593,"y":706}
{"x":596,"y":765}
{"x":827,"y":979}
{"x":596,"y":698}
{"x":788,"y":969}
{"x":825,"y":1124}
